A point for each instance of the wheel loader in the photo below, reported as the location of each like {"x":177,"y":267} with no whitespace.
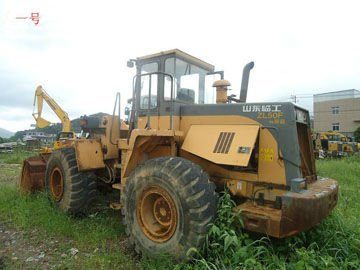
{"x":335,"y":144}
{"x":186,"y":139}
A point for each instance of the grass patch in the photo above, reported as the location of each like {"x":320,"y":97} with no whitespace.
{"x":333,"y":244}
{"x":101,"y":232}
{"x":98,"y":237}
{"x":16,"y":157}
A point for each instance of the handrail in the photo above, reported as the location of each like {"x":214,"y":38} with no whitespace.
{"x":117,"y":100}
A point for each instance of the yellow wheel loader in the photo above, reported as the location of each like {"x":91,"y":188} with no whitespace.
{"x":184,"y":142}
{"x":335,"y":144}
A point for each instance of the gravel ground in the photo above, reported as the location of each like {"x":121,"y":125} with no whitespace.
{"x":26,"y":251}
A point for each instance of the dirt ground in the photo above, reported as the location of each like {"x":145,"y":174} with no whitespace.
{"x":9,"y":173}
{"x":20,"y":251}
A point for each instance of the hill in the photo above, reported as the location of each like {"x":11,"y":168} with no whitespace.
{"x":5,"y":133}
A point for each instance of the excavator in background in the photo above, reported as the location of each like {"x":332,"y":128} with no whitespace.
{"x":32,"y":174}
{"x":62,"y":139}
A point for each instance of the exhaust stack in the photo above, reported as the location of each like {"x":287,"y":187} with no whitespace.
{"x":245,"y":81}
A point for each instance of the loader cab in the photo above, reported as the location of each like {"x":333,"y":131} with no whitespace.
{"x":167,"y":80}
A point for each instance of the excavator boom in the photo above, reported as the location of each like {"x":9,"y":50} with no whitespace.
{"x":40,"y":96}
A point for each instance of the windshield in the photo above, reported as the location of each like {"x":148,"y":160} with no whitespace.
{"x":189,"y":82}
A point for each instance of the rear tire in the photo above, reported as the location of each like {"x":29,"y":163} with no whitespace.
{"x":69,"y":190}
{"x":168,"y":206}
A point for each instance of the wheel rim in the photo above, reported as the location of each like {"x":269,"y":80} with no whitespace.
{"x":56,"y":184}
{"x":156,"y":213}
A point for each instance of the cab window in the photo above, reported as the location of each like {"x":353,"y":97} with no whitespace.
{"x":149,"y":85}
{"x":188,"y":81}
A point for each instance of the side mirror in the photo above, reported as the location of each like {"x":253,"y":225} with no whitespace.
{"x":130,"y":63}
{"x":127,"y":111}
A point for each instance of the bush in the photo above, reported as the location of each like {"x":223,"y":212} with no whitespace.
{"x":357,"y":134}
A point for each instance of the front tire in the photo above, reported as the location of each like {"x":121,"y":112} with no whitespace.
{"x":168,"y":205}
{"x":69,"y":190}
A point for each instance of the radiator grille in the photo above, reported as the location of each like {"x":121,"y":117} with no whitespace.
{"x":224,"y":142}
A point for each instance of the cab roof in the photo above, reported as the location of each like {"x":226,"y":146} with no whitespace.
{"x":181,"y":55}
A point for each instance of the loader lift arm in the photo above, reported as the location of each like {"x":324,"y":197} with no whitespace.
{"x":40,"y":96}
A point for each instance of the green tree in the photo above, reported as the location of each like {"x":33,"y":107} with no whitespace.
{"x":357,"y":134}
{"x":18,"y":135}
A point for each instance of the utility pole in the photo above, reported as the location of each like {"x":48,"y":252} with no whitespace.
{"x":293,"y":97}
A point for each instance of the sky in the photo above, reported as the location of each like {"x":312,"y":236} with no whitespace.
{"x":79,"y":49}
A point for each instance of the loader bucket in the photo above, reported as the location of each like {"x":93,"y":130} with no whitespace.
{"x":33,"y":173}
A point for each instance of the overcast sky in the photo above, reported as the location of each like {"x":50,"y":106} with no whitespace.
{"x":79,"y":49}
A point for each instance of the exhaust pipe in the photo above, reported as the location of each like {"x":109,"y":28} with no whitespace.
{"x":245,"y":81}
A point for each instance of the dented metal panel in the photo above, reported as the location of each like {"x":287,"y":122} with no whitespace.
{"x":222,"y":144}
{"x":89,"y":154}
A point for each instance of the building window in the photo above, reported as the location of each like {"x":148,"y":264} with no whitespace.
{"x":335,"y":127}
{"x":335,"y":110}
